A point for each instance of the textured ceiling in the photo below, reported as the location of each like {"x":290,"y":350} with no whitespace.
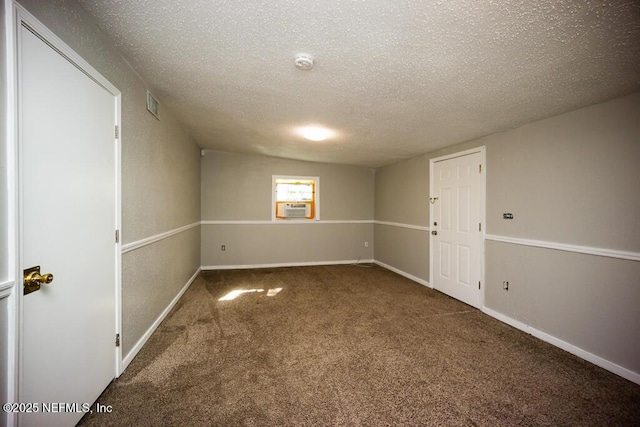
{"x":394,"y":79}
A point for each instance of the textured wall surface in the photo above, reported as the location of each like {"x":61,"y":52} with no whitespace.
{"x":403,"y":248}
{"x":237,"y":187}
{"x":571,"y":179}
{"x":160,"y":175}
{"x":588,"y":301}
{"x":402,"y":192}
{"x":260,"y":244}
{"x":155,"y":274}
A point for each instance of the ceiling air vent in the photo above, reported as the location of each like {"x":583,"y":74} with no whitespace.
{"x":153,"y":105}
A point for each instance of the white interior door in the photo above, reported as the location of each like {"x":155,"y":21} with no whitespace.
{"x":67,"y":153}
{"x":456,"y":226}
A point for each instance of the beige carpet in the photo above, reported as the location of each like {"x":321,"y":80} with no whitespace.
{"x":346,"y":345}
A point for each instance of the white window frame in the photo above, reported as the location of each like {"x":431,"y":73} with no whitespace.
{"x":316,"y":179}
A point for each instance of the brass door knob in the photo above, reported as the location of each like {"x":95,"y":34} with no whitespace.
{"x":33,"y":279}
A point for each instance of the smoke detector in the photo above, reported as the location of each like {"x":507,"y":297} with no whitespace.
{"x":303,"y":62}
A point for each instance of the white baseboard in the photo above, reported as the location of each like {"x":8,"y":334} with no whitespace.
{"x":142,"y":341}
{"x":577,"y":351}
{"x":284,"y":264}
{"x":403,"y":273}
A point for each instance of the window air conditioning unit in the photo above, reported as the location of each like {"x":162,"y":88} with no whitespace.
{"x":293,"y":210}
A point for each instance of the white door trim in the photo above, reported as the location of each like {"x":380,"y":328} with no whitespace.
{"x":483,"y":210}
{"x":15,"y":17}
{"x":12,"y":205}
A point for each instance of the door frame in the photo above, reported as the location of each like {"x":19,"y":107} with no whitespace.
{"x":483,"y":211}
{"x":15,"y":16}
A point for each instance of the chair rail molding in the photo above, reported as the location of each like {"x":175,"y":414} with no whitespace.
{"x":403,"y":225}
{"x":158,"y":237}
{"x":589,"y":250}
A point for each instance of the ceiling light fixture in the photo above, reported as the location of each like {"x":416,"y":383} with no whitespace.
{"x":303,"y":62}
{"x":315,"y":133}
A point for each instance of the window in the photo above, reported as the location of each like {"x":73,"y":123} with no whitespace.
{"x":295,"y":198}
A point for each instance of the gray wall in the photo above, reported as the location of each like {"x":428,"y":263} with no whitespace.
{"x":569,"y":179}
{"x":160,"y":176}
{"x":572,"y":178}
{"x":402,"y":196}
{"x":237,"y":187}
{"x":402,"y":192}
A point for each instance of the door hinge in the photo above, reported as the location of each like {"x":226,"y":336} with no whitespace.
{"x":117,"y":236}
{"x":479,"y":226}
{"x":480,"y":168}
{"x":117,"y":132}
{"x":478,"y":284}
{"x":117,"y":340}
